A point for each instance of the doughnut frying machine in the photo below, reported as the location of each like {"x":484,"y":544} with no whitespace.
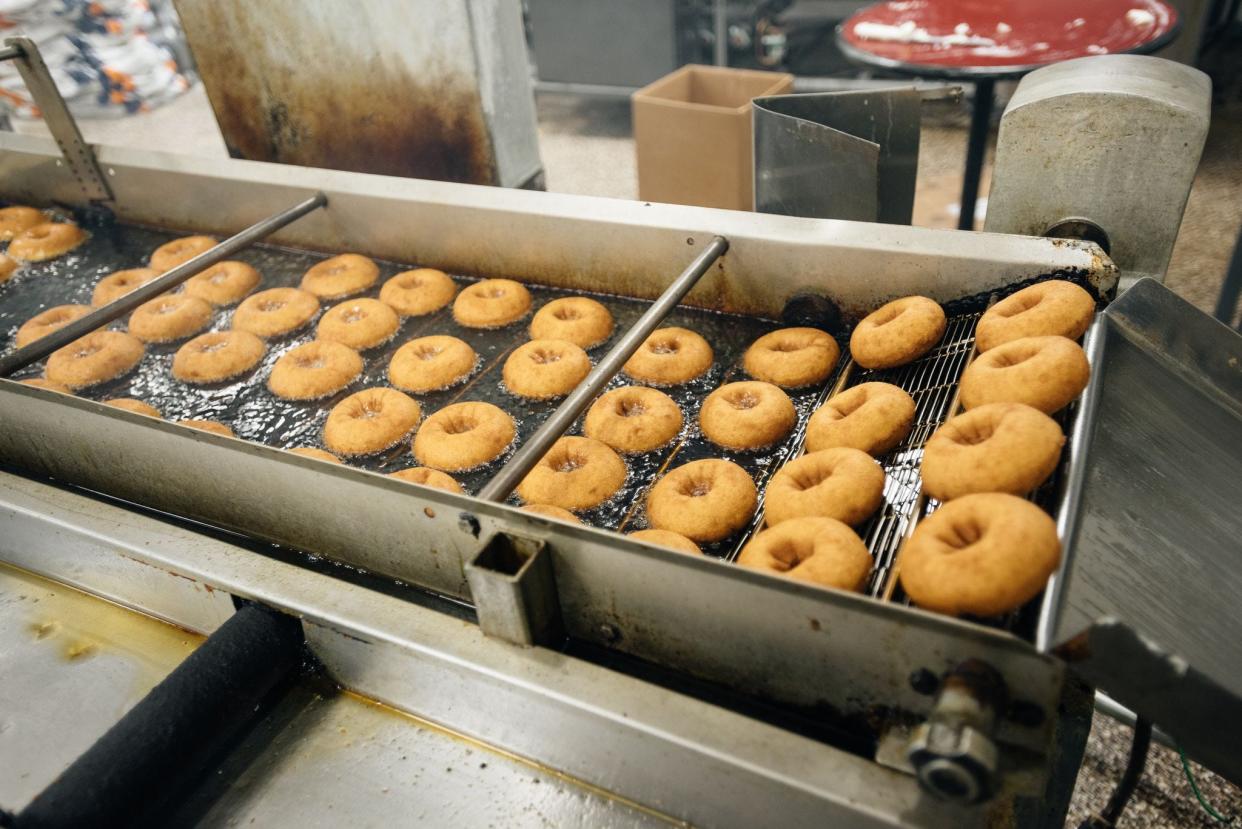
{"x":244,"y":634}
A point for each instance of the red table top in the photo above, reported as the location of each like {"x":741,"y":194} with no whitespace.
{"x":1001,"y":37}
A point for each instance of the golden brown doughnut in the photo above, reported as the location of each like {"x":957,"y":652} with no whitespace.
{"x":53,"y":319}
{"x":898,"y":333}
{"x":213,"y":426}
{"x":17,"y":220}
{"x":224,"y":283}
{"x":370,"y":421}
{"x":179,"y":251}
{"x":575,"y":474}
{"x":1055,"y":307}
{"x":549,"y":511}
{"x":44,"y":383}
{"x":819,"y":550}
{"x":981,"y":554}
{"x":95,"y":358}
{"x":7,"y":268}
{"x":427,"y":477}
{"x":747,"y":415}
{"x":703,"y":500}
{"x":667,"y":539}
{"x":130,"y":404}
{"x":217,"y":356}
{"x":169,"y":317}
{"x":314,"y":370}
{"x":873,"y":417}
{"x":359,"y":324}
{"x":492,"y":303}
{"x":340,"y":276}
{"x":1044,"y":372}
{"x":317,"y":454}
{"x":670,"y":357}
{"x":577,"y":319}
{"x":633,"y":419}
{"x":543,"y":369}
{"x":431,"y":364}
{"x":275,"y":312}
{"x":464,"y":436}
{"x":998,"y":447}
{"x":119,"y":283}
{"x":792,"y":357}
{"x":842,"y":483}
{"x":46,"y":241}
{"x":418,"y":292}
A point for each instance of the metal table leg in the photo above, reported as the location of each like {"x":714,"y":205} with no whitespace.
{"x":980,"y":118}
{"x":1231,"y":289}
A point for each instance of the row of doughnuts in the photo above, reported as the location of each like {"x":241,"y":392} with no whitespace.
{"x":33,"y":236}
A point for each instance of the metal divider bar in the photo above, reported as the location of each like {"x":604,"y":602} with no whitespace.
{"x":100,"y":317}
{"x":39,"y":83}
{"x":504,"y":482}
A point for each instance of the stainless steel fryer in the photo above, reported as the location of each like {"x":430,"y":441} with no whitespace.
{"x":687,"y":688}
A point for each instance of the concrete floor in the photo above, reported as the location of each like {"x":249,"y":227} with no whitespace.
{"x":587,"y":149}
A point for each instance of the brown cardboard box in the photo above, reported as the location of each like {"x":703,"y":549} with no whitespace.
{"x":693,"y":135}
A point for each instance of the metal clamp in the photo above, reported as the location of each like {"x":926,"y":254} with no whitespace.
{"x":79,"y":157}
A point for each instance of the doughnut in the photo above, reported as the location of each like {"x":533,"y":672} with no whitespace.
{"x":179,"y":251}
{"x":464,"y":436}
{"x":431,"y":363}
{"x":418,"y":292}
{"x":792,"y":357}
{"x":542,"y":369}
{"x":577,"y":319}
{"x":129,"y":404}
{"x":897,"y":333}
{"x":815,"y":549}
{"x":842,"y":483}
{"x":670,"y":357}
{"x":215,"y":427}
{"x":370,"y":421}
{"x":217,"y":356}
{"x":633,"y":419}
{"x":317,"y":454}
{"x":95,"y":358}
{"x":43,"y":383}
{"x":997,"y":447}
{"x":359,"y":324}
{"x":492,"y":303}
{"x":575,"y":474}
{"x":703,"y":500}
{"x":340,"y":276}
{"x":7,"y":267}
{"x":549,"y":511}
{"x":1044,"y":372}
{"x":982,"y":554}
{"x":873,"y":417}
{"x":747,"y":415}
{"x":667,"y":539}
{"x":1055,"y":307}
{"x":169,"y":317}
{"x":119,"y":283}
{"x":224,"y":283}
{"x":314,"y":370}
{"x":427,"y":477}
{"x":46,"y":241}
{"x":275,"y":311}
{"x":53,"y":319}
{"x":17,"y":220}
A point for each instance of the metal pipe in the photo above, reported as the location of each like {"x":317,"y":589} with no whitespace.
{"x":1111,"y":708}
{"x":720,"y":32}
{"x":100,"y":317}
{"x":504,"y":481}
{"x":11,"y":53}
{"x":976,"y":147}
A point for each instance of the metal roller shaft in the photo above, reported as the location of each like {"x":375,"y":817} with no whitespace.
{"x":504,"y":482}
{"x":100,"y":317}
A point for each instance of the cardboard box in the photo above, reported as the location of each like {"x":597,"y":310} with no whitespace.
{"x":693,"y":135}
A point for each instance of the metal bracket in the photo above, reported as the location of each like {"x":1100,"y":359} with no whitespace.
{"x":514,"y":591}
{"x":79,"y":157}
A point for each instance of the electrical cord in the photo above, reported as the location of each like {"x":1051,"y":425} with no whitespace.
{"x":1107,"y":817}
{"x":1194,"y":787}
